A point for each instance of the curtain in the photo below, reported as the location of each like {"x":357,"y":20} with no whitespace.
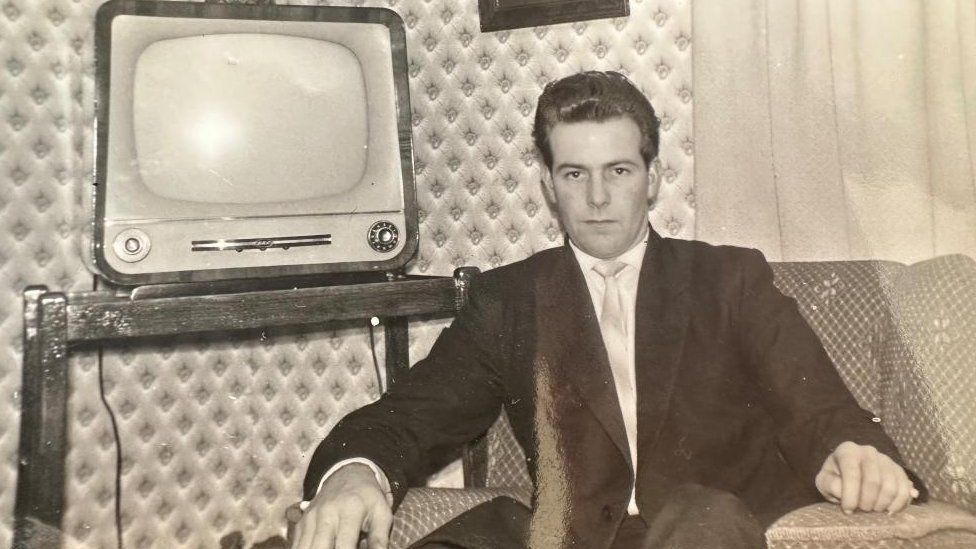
{"x":836,"y":129}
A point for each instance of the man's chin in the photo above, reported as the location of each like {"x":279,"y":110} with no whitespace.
{"x":601,"y":249}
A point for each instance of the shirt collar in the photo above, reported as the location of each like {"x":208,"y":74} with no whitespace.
{"x":633,"y":257}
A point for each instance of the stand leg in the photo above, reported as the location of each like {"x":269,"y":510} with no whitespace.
{"x":40,"y":479}
{"x":397,"y":348}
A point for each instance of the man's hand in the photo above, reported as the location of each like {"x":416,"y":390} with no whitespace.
{"x":860,"y":477}
{"x":351,"y":501}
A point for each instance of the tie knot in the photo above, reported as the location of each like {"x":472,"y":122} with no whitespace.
{"x":609,"y":269}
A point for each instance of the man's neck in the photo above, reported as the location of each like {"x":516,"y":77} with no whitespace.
{"x":588,"y":259}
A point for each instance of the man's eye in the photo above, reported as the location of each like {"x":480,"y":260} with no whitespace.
{"x":575,"y":174}
{"x":621,"y":171}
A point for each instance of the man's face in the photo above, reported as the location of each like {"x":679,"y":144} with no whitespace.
{"x":599,"y":184}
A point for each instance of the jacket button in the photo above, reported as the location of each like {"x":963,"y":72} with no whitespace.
{"x":607,"y":513}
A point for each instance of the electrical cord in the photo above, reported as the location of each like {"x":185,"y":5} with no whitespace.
{"x":118,"y":445}
{"x":118,"y":452}
{"x":373,"y":322}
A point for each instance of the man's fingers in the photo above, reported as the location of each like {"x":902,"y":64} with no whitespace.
{"x":836,"y":489}
{"x":298,"y":541}
{"x":872,"y":479}
{"x":349,"y":527}
{"x":902,"y":498}
{"x":893,"y":481}
{"x":325,"y":536}
{"x":890,"y":485}
{"x":380,"y":523}
{"x":831,"y":490}
{"x":306,"y":530}
{"x":315,"y":531}
{"x":342,"y":508}
{"x":905,"y":493}
{"x":828,"y":481}
{"x":850,"y":474}
{"x":866,"y":479}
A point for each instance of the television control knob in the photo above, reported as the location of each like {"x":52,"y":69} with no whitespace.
{"x":383,"y":236}
{"x":131,"y":245}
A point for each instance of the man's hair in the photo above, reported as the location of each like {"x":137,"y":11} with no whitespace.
{"x":594,"y":96}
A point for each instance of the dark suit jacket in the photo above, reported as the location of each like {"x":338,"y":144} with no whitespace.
{"x":734,"y":390}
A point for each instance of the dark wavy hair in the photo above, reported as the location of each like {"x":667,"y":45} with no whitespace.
{"x":594,"y":96}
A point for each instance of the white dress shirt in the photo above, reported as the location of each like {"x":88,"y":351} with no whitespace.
{"x":627,"y":283}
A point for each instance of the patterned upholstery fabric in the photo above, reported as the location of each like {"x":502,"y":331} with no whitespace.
{"x":823,"y":525}
{"x":846,"y":302}
{"x":424,"y":509}
{"x":849,"y":305}
{"x":506,"y":459}
{"x":929,"y":394}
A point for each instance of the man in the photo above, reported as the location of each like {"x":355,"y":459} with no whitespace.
{"x":666,"y":394}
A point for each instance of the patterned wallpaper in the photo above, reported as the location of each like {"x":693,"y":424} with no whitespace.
{"x":45,"y":53}
{"x":216,"y":430}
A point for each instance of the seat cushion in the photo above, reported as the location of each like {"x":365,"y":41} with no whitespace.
{"x":825,"y":526}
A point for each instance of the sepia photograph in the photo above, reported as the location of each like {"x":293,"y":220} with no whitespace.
{"x":488,"y":274}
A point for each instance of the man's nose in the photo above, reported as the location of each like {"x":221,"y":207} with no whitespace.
{"x":596,"y":192}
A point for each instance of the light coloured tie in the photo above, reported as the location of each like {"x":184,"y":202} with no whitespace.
{"x":613,"y":326}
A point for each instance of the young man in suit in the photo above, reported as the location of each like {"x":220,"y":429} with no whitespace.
{"x":665,"y":393}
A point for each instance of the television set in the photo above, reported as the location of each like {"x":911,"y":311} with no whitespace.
{"x":239,"y":141}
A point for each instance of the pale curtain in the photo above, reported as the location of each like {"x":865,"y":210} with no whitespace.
{"x":836,"y":129}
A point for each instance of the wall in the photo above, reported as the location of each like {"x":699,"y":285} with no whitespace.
{"x":216,"y":430}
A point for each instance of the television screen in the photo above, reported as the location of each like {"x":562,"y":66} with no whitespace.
{"x":216,"y":114}
{"x":250,"y":141}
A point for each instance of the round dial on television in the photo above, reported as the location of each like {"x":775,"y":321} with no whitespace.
{"x":131,"y":245}
{"x":383,"y":236}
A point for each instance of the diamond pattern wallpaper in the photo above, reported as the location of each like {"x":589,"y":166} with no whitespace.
{"x":216,"y":430}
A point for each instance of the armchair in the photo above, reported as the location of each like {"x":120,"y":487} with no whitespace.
{"x":904,"y":341}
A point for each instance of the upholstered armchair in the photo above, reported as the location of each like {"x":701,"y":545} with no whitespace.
{"x":904,"y":340}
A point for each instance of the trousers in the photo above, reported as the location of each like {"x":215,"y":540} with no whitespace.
{"x":695,"y":517}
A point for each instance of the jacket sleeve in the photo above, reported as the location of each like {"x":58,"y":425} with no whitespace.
{"x":801,"y":387}
{"x":443,"y":402}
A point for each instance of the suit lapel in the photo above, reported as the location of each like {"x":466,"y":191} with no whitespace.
{"x":571,"y":337}
{"x":662,"y":314}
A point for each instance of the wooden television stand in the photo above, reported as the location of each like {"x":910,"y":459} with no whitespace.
{"x":55,"y":320}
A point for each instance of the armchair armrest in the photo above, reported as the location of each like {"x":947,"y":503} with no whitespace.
{"x":425,"y":509}
{"x":825,"y":526}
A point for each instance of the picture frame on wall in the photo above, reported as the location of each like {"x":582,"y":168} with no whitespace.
{"x":499,"y":15}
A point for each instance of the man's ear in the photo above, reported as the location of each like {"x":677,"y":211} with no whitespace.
{"x":653,"y":182}
{"x":547,"y":185}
